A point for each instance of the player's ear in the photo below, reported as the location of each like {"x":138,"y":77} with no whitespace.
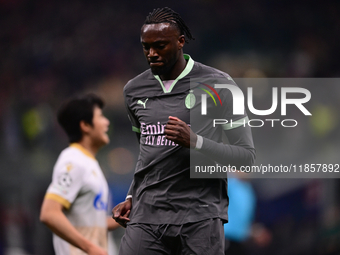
{"x":181,"y":42}
{"x":84,"y":127}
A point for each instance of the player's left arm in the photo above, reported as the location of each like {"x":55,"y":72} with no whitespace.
{"x":240,"y":151}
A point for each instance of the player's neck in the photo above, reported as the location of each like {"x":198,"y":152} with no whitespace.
{"x":176,"y":70}
{"x":89,"y":146}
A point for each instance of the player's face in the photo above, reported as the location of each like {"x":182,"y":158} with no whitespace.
{"x":162,"y":46}
{"x":99,"y":128}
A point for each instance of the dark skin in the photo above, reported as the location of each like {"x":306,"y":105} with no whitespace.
{"x":178,"y":131}
{"x":163,"y":49}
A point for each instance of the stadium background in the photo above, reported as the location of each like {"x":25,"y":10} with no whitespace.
{"x":50,"y":50}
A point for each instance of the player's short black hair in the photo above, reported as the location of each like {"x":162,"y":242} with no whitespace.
{"x":75,"y":110}
{"x":167,"y":15}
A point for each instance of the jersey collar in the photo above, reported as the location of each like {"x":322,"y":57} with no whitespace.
{"x":186,"y":71}
{"x":82,"y":149}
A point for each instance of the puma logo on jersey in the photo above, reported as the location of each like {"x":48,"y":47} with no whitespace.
{"x":142,"y":103}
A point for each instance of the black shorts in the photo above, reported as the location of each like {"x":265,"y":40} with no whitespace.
{"x":203,"y":237}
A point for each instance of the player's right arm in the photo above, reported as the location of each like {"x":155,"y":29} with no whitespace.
{"x":121,"y":212}
{"x":134,"y":122}
{"x":52,"y":215}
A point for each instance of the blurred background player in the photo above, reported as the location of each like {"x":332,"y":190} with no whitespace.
{"x":241,"y":213}
{"x":75,"y":204}
{"x":242,"y":233}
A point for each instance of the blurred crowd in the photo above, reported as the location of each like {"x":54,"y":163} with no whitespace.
{"x":51,"y":50}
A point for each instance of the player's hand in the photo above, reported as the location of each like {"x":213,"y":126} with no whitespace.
{"x":121,"y":212}
{"x":96,"y":250}
{"x":178,"y":131}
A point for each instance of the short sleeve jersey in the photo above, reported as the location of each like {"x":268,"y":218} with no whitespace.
{"x":162,"y":190}
{"x":79,"y":184}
